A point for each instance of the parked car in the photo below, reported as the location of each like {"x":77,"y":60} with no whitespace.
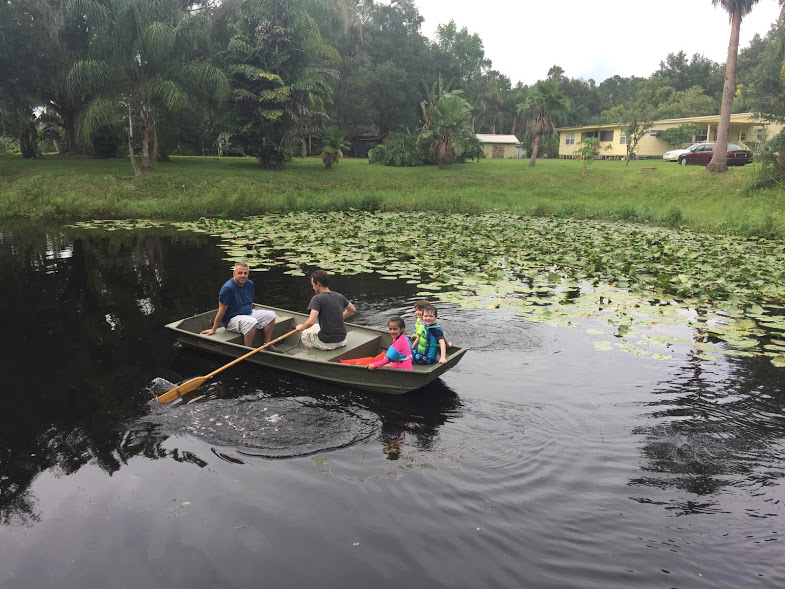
{"x":673,"y":155}
{"x":701,"y":154}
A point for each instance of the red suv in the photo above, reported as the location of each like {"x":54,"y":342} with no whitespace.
{"x":701,"y":153}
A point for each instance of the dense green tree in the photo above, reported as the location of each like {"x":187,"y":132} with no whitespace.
{"x":489,"y":115}
{"x":448,"y":128}
{"x":144,"y":56}
{"x":333,"y":145}
{"x":384,"y":60}
{"x":617,"y":90}
{"x":765,"y":90}
{"x":24,"y":70}
{"x":460,"y":56}
{"x":583,"y":96}
{"x":676,"y":136}
{"x":682,"y":74}
{"x":543,"y":101}
{"x":510,"y":118}
{"x":375,"y":95}
{"x":277,"y":61}
{"x":692,"y":102}
{"x":737,"y":10}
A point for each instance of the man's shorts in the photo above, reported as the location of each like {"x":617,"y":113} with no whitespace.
{"x":310,"y":339}
{"x":244,"y":323}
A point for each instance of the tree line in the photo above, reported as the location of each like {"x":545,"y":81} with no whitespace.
{"x":272,"y":77}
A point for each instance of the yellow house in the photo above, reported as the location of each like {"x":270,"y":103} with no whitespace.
{"x":744,"y":128}
{"x":499,"y":146}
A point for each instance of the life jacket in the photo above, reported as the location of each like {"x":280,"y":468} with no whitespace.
{"x":419,"y":329}
{"x":428,"y":346}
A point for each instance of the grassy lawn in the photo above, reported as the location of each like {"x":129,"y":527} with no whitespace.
{"x":652,"y":191}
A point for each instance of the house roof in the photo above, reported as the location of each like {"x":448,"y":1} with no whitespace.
{"x":488,"y":138}
{"x":744,"y":117}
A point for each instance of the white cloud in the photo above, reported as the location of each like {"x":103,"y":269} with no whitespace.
{"x":590,"y":39}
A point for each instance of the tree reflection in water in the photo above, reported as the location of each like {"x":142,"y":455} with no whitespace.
{"x":720,"y":427}
{"x":85,"y":313}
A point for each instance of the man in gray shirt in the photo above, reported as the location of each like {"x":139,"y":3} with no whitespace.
{"x":325,"y":328}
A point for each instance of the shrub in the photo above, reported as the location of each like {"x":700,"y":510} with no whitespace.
{"x":401,"y":150}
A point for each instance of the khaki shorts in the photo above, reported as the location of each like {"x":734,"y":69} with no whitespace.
{"x":310,"y":339}
{"x":244,"y":323}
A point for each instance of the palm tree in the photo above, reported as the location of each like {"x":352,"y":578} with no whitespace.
{"x":737,"y":9}
{"x":543,"y":99}
{"x":333,"y":146}
{"x":139,"y":62}
{"x":277,"y":61}
{"x":449,"y":128}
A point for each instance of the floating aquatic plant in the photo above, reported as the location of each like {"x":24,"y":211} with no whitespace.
{"x":638,"y":281}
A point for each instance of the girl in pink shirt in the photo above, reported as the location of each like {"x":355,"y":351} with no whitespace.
{"x":399,"y":354}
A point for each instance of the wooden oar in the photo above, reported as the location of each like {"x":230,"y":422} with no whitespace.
{"x":194,"y":383}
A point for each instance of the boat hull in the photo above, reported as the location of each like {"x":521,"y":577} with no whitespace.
{"x":321,"y":364}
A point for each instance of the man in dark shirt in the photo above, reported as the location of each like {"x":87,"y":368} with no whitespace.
{"x":325,"y":328}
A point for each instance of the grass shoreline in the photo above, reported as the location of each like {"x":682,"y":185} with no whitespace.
{"x":651,"y":192}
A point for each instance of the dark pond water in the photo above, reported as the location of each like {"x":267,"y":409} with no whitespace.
{"x":537,"y":462}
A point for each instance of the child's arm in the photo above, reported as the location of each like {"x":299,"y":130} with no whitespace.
{"x":443,"y":348}
{"x":415,"y":341}
{"x":378,"y":363}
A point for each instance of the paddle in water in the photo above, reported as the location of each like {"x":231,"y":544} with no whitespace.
{"x":195,"y":383}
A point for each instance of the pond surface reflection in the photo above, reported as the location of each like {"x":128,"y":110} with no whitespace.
{"x":537,"y":461}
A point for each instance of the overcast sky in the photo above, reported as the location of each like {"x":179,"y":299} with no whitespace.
{"x":588,"y":39}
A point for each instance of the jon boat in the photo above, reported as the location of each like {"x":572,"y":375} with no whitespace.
{"x":362,"y":342}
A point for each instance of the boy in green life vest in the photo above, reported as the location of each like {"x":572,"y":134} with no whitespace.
{"x":419,"y":326}
{"x":431,"y":347}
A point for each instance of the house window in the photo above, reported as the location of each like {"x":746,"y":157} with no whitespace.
{"x":569,"y":139}
{"x":606,"y":135}
{"x":498,"y":151}
{"x":742,"y":136}
{"x":760,"y":133}
{"x":623,"y":137}
{"x":654,"y":132}
{"x":701,"y":135}
{"x":587,"y":134}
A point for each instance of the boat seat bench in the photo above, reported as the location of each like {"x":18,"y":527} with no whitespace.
{"x":359,"y":344}
{"x":283,"y":325}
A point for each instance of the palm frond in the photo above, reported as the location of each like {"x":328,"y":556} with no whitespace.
{"x":204,"y":78}
{"x":254,"y":73}
{"x":243,"y":95}
{"x":156,"y":42}
{"x":276,"y":95}
{"x":99,"y":113}
{"x":272,"y":114}
{"x":95,"y":12}
{"x":90,"y":76}
{"x":172,"y":94}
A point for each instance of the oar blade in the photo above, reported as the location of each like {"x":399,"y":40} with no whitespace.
{"x":181,"y":390}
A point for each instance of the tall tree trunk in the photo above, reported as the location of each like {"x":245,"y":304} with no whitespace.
{"x":144,"y":130}
{"x":69,"y":129}
{"x":442,"y":152}
{"x":137,"y":172}
{"x":719,"y":159}
{"x":536,"y":148}
{"x":154,"y":158}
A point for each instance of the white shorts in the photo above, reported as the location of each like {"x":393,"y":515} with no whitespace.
{"x":310,"y":339}
{"x":244,"y":323}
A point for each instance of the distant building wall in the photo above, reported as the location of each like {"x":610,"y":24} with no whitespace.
{"x":744,"y":129}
